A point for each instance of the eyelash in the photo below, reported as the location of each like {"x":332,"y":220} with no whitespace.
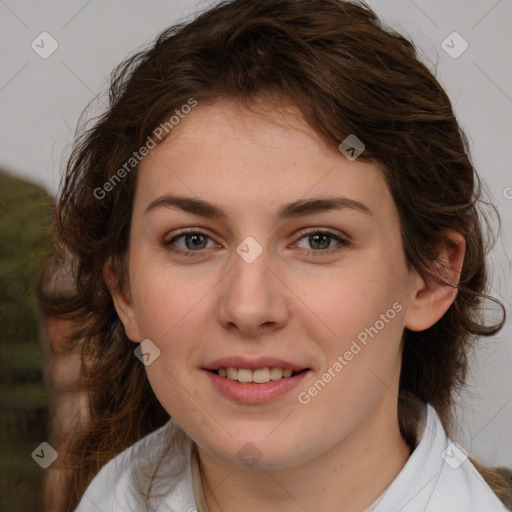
{"x":302,"y":234}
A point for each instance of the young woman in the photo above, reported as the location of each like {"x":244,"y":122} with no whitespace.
{"x":279,"y":266}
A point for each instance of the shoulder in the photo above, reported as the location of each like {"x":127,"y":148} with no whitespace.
{"x":159,"y":462}
{"x":439,"y":475}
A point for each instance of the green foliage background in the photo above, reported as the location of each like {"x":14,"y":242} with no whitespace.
{"x":25,"y":213}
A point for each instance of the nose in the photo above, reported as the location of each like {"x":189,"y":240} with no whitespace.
{"x":252,"y":299}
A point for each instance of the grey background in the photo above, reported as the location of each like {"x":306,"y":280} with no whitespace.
{"x":41,"y":101}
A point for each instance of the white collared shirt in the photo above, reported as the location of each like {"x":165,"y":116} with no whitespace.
{"x":438,"y":477}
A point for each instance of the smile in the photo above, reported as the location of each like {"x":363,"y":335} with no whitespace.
{"x":254,"y":386}
{"x":257,"y":376}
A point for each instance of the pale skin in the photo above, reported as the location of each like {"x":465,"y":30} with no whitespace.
{"x":342,"y":449}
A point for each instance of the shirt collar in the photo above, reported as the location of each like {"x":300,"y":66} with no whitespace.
{"x":437,"y":476}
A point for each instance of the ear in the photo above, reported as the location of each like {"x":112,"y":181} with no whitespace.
{"x":119,"y":287}
{"x":431,"y":299}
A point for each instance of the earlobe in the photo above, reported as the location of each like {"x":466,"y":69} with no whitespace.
{"x":431,"y":298}
{"x":119,"y":289}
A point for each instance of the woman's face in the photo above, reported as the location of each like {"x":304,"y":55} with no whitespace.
{"x":292,"y":261}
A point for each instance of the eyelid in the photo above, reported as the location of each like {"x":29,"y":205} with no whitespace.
{"x":184,"y":231}
{"x":326,"y":231}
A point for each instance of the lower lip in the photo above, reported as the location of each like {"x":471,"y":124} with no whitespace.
{"x":252,"y":393}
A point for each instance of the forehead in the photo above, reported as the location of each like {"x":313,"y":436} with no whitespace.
{"x":262,"y":131}
{"x":254,"y":158}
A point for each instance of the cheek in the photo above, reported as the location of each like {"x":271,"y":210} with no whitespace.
{"x":343,"y":303}
{"x":173,"y":309}
{"x":164,"y":297}
{"x":362,"y":323}
{"x":170,"y":312}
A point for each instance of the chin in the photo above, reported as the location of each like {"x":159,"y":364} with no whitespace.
{"x":257,"y":451}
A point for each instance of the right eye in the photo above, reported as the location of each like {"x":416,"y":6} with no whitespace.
{"x":192,"y":241}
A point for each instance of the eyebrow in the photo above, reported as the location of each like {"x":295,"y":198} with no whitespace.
{"x":291,"y":210}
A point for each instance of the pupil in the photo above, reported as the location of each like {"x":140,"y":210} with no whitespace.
{"x":314,"y":238}
{"x":196,"y":241}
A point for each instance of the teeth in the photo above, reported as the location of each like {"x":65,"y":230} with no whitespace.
{"x":244,"y":375}
{"x":276,"y":373}
{"x":259,"y":376}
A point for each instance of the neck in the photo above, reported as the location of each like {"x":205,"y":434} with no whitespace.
{"x":353,"y":474}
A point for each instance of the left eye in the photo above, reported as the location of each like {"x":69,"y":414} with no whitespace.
{"x":320,"y":240}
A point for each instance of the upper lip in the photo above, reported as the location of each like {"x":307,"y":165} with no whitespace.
{"x":253,"y":364}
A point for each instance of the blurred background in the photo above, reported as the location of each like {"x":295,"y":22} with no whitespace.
{"x":56,"y":57}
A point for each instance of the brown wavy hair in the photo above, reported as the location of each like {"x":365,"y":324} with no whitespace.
{"x":347,"y":74}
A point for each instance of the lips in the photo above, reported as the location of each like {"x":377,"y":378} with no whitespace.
{"x":254,"y":364}
{"x":259,"y":371}
{"x":254,"y":381}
